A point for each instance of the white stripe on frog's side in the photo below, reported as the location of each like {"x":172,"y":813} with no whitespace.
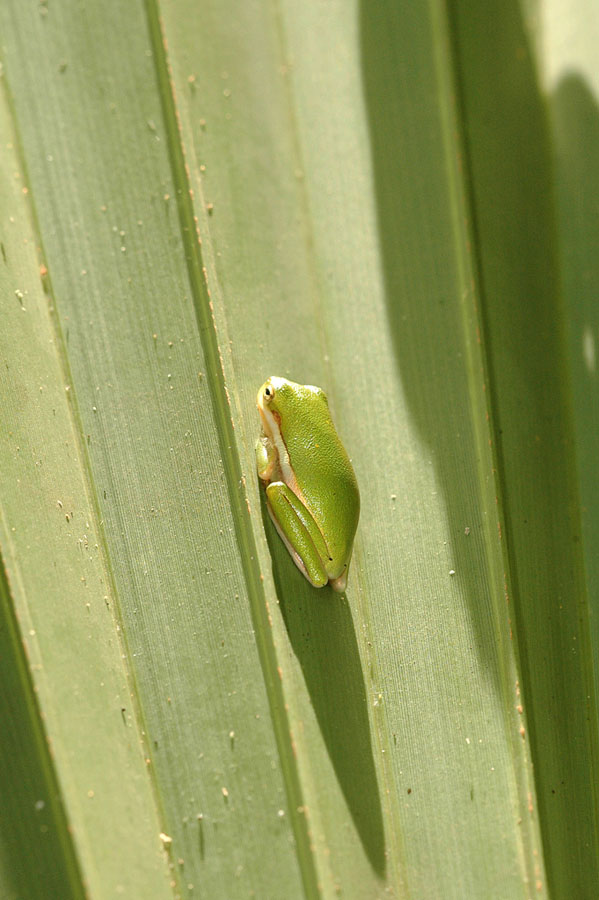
{"x":273,"y":432}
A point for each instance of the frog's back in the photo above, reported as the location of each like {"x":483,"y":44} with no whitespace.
{"x":325,"y":478}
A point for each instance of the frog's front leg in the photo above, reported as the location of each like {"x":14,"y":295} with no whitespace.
{"x":299,"y":532}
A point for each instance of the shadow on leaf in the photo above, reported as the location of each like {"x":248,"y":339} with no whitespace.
{"x":321,"y":630}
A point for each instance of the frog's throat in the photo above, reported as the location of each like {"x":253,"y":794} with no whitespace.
{"x":272,"y":431}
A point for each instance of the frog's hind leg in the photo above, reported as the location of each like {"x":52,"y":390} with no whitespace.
{"x":298,"y":531}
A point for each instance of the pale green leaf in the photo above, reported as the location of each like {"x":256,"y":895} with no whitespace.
{"x":395,"y":202}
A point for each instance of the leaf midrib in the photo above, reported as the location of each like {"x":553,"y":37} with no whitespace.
{"x":230,"y":458}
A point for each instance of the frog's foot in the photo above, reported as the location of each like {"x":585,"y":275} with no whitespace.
{"x":339,"y":584}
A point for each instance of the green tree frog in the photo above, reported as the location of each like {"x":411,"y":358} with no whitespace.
{"x":311,"y":489}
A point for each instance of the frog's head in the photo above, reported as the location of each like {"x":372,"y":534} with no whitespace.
{"x":271,"y":397}
{"x":281,"y":402}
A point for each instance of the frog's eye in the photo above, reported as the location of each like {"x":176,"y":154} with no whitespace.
{"x":269,"y":393}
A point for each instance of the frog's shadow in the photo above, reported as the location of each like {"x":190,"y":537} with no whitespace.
{"x":321,"y":631}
